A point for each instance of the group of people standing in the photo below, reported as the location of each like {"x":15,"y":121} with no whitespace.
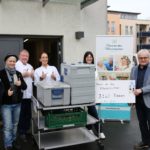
{"x":16,"y":81}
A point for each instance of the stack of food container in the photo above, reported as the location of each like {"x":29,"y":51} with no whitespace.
{"x":81,"y":78}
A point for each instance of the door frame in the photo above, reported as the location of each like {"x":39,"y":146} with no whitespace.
{"x":60,"y":44}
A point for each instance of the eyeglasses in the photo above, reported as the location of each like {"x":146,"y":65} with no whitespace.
{"x":143,"y":58}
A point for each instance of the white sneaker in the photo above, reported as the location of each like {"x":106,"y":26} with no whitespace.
{"x":102,"y":135}
{"x":91,"y":131}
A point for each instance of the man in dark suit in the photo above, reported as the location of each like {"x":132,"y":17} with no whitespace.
{"x":141,"y":75}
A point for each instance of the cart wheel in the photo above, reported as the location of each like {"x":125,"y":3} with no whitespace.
{"x":101,"y":146}
{"x":33,"y":142}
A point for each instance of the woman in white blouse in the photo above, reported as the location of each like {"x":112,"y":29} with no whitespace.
{"x":45,"y":71}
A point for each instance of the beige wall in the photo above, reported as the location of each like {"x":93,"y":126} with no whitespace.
{"x":114,"y":18}
{"x":28,"y":17}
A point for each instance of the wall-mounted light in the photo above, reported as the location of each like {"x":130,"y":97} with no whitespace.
{"x":79,"y":34}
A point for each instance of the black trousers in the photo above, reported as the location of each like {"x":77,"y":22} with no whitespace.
{"x":143,"y":114}
{"x":25,"y":116}
{"x":93,"y":112}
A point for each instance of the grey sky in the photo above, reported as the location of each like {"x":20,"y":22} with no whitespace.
{"x":139,"y":6}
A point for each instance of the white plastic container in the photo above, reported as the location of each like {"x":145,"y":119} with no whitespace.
{"x":81,"y":78}
{"x":79,"y":70}
{"x":53,"y":93}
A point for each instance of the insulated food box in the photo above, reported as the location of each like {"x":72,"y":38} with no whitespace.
{"x":81,"y":78}
{"x":53,"y":93}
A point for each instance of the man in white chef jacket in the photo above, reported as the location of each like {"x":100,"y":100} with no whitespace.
{"x":27,"y":71}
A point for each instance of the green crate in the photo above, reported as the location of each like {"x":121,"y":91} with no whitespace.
{"x":65,"y":117}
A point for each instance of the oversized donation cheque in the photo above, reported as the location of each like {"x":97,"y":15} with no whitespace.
{"x":53,"y":93}
{"x":115,"y":91}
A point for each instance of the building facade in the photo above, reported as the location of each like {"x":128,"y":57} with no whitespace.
{"x":63,"y":28}
{"x":127,"y":23}
{"x":143,"y":34}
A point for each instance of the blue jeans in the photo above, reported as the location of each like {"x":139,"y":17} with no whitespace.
{"x":10,"y":117}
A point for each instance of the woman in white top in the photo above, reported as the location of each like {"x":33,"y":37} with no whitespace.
{"x":45,"y":71}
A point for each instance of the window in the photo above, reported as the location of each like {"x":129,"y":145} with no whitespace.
{"x":126,"y":30}
{"x":113,"y":26}
{"x":131,"y":30}
{"x":108,"y":28}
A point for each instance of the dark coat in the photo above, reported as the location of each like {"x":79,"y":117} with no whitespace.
{"x":146,"y":83}
{"x":1,"y":90}
{"x":9,"y":99}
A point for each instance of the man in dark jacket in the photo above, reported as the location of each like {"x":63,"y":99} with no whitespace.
{"x":141,"y":75}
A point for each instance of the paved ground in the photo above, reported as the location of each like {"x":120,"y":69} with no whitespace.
{"x":122,"y":136}
{"x":118,"y":137}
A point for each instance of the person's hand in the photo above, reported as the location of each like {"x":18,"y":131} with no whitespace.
{"x":10,"y":92}
{"x":18,"y":82}
{"x":28,"y":73}
{"x":43,"y":76}
{"x":32,"y":72}
{"x":53,"y":76}
{"x":25,"y":74}
{"x":137,"y":92}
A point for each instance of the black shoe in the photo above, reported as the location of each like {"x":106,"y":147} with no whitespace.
{"x":8,"y":148}
{"x":141,"y":145}
{"x":28,"y":135}
{"x":16,"y":145}
{"x":23,"y":138}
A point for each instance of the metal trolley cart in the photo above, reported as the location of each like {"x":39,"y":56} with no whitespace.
{"x":68,"y":135}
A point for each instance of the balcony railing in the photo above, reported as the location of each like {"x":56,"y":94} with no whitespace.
{"x":143,"y":34}
{"x":143,"y":46}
